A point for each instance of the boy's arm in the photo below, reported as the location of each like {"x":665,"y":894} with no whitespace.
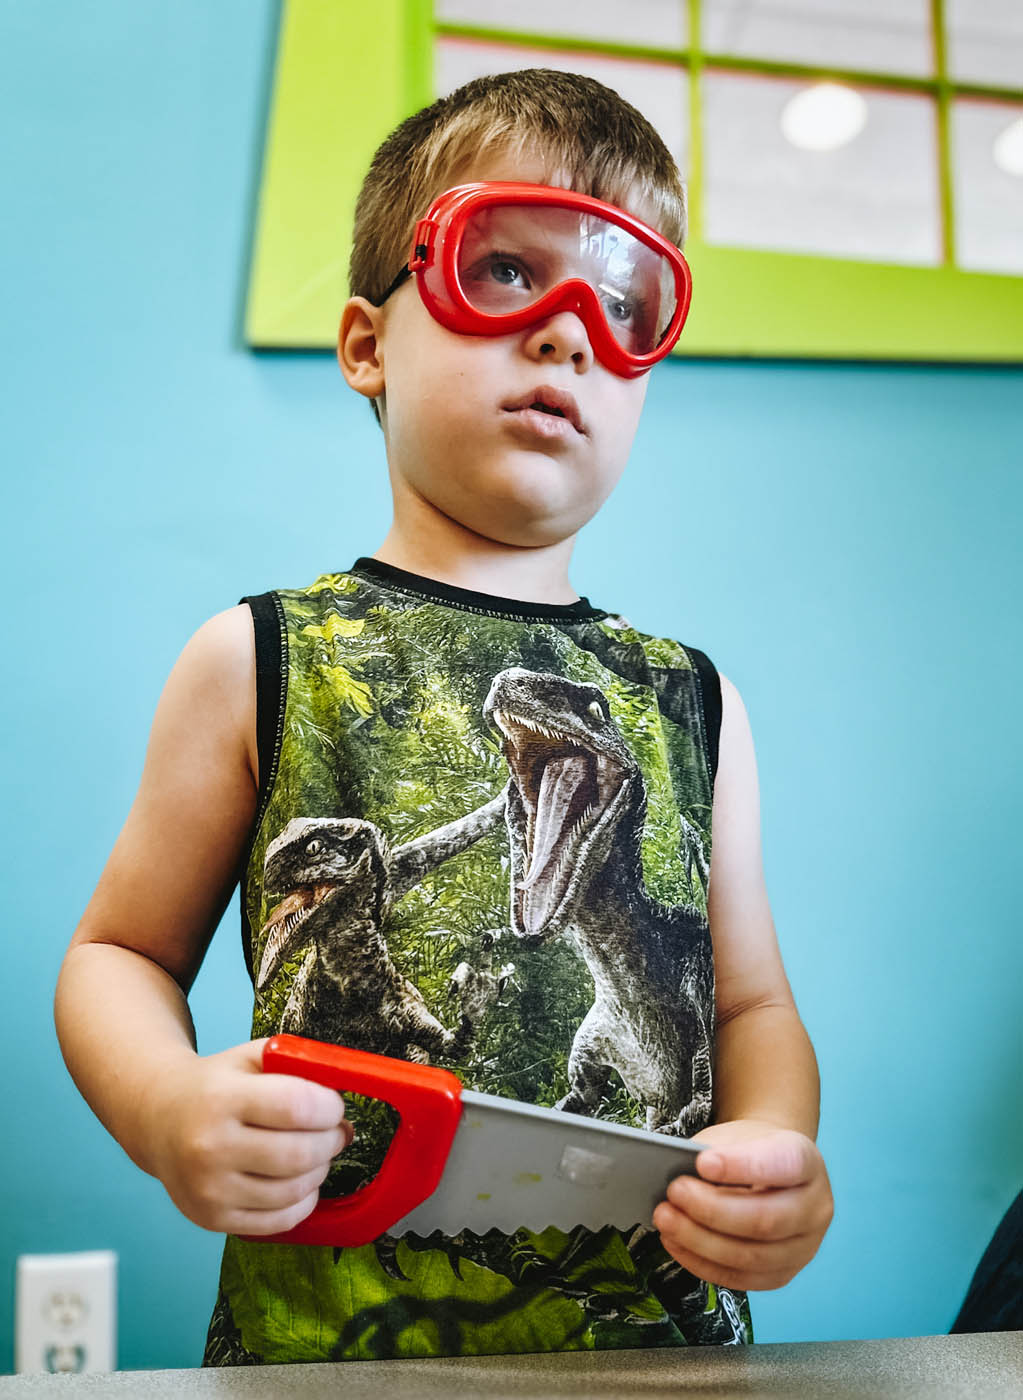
{"x":237,"y":1150}
{"x":765,"y":1068}
{"x":766,"y":1087}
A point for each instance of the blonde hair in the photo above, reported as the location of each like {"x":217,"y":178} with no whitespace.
{"x":582,"y":129}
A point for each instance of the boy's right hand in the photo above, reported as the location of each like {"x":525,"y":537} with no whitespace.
{"x":239,"y":1151}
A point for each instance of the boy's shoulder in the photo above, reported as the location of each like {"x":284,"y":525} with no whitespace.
{"x":688,"y":686}
{"x":221,"y":659}
{"x":659,"y":650}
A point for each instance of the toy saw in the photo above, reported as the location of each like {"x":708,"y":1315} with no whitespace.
{"x":461,"y":1160}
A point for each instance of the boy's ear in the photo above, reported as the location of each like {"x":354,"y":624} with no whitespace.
{"x":358,"y":351}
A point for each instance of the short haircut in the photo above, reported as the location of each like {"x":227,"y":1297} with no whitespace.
{"x":580,"y":127}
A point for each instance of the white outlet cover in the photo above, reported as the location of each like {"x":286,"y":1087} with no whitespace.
{"x":66,"y":1312}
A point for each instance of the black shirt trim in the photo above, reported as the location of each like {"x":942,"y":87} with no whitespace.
{"x":433,"y":590}
{"x":271,"y":641}
{"x":710,"y":691}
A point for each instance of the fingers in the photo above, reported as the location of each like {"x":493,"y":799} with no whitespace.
{"x":727,"y":1262}
{"x":250,"y":1055}
{"x":245,"y":1152}
{"x":285,"y":1102}
{"x":736,"y":1251}
{"x":749,"y":1238}
{"x":282,"y":1100}
{"x":259,"y":1180}
{"x":777,"y":1159}
{"x":267,"y":1193}
{"x":742,"y":1214}
{"x":268,"y":1222}
{"x":275,"y":1154}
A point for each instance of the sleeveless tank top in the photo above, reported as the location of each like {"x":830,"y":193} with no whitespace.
{"x":482,"y":842}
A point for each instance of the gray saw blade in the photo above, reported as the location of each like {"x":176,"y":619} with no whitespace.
{"x":515,"y":1166}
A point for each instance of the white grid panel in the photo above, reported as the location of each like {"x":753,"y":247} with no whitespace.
{"x":985,"y":41}
{"x":659,"y":90}
{"x":988,"y":201}
{"x":875,"y":199}
{"x":892,"y":36}
{"x":661,"y":23}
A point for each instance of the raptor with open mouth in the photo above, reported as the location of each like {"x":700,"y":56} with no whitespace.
{"x":571,"y":775}
{"x":576,"y":813}
{"x":315,"y":859}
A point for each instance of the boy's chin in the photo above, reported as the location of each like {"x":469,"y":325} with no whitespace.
{"x":527,"y":531}
{"x":528,"y":520}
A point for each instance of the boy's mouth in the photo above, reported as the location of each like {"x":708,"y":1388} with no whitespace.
{"x":553,"y":403}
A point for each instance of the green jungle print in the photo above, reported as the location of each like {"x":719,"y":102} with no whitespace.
{"x":486,"y":846}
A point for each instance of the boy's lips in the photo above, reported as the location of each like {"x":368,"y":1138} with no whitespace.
{"x":546,"y":402}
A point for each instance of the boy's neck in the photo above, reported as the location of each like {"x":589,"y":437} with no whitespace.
{"x":467,"y":560}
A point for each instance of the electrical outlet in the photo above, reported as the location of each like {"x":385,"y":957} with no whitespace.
{"x":66,"y":1312}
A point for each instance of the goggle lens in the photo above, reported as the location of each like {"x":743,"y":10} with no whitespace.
{"x":510,"y":256}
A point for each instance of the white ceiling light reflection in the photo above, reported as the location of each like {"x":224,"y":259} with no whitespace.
{"x":1007,"y":151}
{"x":823,"y":117}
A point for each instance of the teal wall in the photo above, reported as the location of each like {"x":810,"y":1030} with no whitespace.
{"x":843,"y":540}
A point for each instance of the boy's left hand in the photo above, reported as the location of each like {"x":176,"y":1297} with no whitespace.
{"x":736,"y":1237}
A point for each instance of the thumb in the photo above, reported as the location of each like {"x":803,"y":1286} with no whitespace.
{"x":777,"y":1159}
{"x":250,"y":1055}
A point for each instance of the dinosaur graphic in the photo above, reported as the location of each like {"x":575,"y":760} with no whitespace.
{"x":575,"y":813}
{"x":342,"y":878}
{"x":477,"y":984}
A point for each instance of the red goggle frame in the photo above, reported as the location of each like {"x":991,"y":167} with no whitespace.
{"x":434,"y":262}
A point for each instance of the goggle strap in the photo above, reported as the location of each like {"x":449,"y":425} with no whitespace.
{"x":425,"y":231}
{"x":402,"y":276}
{"x":420,"y":256}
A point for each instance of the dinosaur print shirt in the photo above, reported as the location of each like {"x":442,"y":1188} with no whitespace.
{"x":483,"y":842}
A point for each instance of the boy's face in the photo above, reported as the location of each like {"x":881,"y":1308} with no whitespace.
{"x":457,"y":417}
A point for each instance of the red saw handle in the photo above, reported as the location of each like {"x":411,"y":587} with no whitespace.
{"x":429,"y":1101}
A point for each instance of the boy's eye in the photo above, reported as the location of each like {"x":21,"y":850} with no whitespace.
{"x":616,"y":307}
{"x":493,"y":276}
{"x":508,"y":273}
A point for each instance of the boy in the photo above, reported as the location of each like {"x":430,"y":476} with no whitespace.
{"x":471,"y":812}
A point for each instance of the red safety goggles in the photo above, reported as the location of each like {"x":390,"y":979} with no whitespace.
{"x":493,"y":258}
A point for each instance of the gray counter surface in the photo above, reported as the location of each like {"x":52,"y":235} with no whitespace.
{"x":981,"y":1366}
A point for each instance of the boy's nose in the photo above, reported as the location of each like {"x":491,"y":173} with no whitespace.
{"x":560,"y":338}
